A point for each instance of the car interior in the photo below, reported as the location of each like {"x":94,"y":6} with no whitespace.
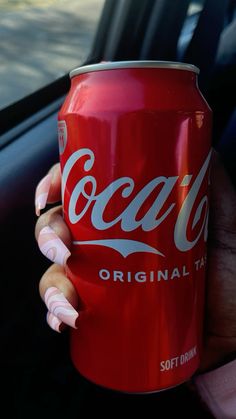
{"x":38,"y":378}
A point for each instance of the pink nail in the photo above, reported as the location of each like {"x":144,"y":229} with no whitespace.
{"x":52,"y":246}
{"x":41,"y":194}
{"x":54,"y":322}
{"x":60,"y":307}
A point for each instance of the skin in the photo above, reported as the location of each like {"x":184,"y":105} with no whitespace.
{"x":220,"y":318}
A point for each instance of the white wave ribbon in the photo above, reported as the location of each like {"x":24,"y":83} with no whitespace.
{"x":124,"y":246}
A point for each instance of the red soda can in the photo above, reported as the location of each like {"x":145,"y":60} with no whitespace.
{"x":135,"y":146}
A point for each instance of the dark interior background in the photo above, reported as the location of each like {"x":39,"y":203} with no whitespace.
{"x":37,"y":375}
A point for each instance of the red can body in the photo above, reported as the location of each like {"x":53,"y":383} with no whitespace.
{"x":135,"y":145}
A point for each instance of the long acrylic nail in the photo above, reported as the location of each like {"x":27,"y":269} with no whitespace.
{"x":60,"y":307}
{"x":54,"y":322}
{"x":52,"y":246}
{"x":41,"y":194}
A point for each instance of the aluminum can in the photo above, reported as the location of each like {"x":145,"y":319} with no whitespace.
{"x":135,"y":147}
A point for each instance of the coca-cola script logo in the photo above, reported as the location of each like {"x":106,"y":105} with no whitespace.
{"x":127,"y":219}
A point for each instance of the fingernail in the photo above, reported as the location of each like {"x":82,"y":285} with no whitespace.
{"x":52,"y":246}
{"x":60,"y":307}
{"x":41,"y":194}
{"x":54,"y":322}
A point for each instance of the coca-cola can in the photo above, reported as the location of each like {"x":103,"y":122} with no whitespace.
{"x":135,"y":147}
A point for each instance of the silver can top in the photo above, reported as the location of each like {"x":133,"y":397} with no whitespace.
{"x":113,"y":65}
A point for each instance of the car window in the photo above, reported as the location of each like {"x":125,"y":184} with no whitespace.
{"x":41,"y":40}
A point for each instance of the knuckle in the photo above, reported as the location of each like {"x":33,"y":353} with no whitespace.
{"x":224,"y":238}
{"x":46,"y":219}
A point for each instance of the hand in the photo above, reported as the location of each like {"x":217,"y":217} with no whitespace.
{"x":220,"y":320}
{"x":54,"y":241}
{"x":60,"y":295}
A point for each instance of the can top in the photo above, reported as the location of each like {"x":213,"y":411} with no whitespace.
{"x":113,"y":65}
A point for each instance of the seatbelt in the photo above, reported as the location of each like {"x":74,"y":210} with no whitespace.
{"x":128,"y":29}
{"x":202,"y":48}
{"x":166,"y":21}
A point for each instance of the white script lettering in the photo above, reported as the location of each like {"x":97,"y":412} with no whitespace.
{"x":124,"y":187}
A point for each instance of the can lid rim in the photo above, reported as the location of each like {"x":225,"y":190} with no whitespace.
{"x":114,"y":65}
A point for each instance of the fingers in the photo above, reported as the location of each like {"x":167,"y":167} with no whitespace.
{"x":48,"y":189}
{"x":60,"y":297}
{"x":53,"y":236}
{"x":54,"y":241}
{"x":51,"y":232}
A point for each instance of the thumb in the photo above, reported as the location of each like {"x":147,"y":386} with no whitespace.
{"x":222,"y":203}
